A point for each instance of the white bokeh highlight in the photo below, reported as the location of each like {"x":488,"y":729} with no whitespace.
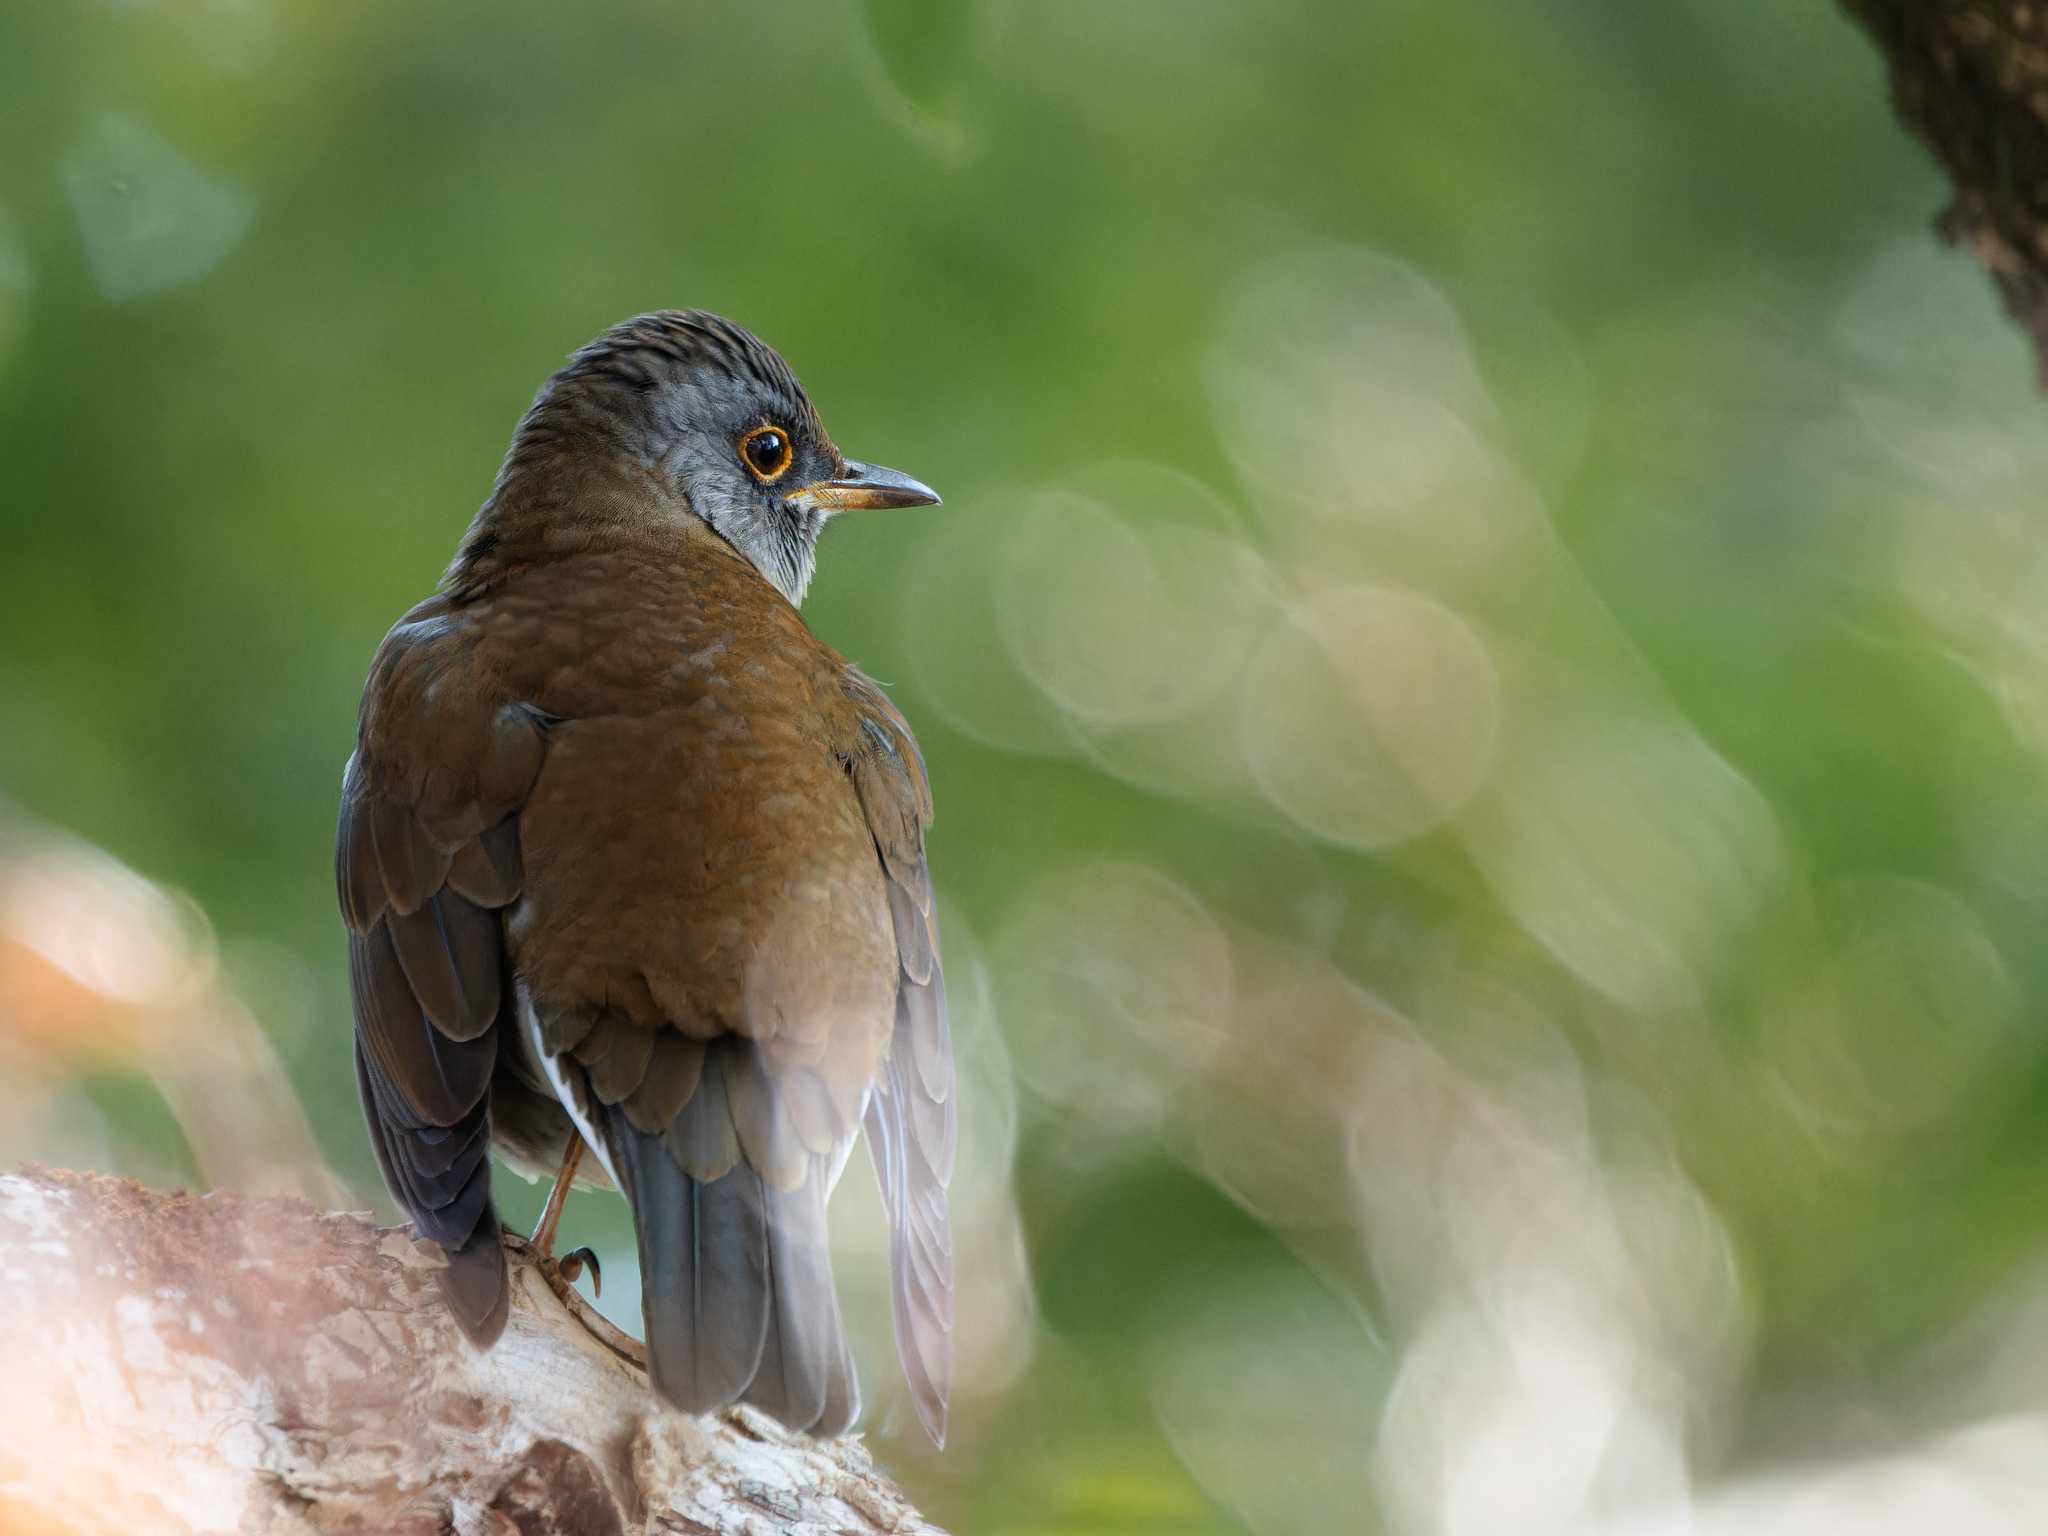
{"x":149,"y":216}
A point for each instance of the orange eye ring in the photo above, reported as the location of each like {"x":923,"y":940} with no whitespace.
{"x":766,"y":451}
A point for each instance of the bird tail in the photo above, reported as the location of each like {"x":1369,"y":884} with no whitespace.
{"x":476,"y":1282}
{"x":736,"y":1287}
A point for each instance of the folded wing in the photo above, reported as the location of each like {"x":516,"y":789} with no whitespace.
{"x":426,"y":855}
{"x":910,"y":1120}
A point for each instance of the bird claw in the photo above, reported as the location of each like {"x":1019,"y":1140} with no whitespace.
{"x":572,"y":1265}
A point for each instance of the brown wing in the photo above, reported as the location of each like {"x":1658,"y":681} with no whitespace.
{"x":426,"y":854}
{"x":911,"y":1113}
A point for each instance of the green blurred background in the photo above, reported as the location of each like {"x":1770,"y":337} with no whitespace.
{"x":1483,"y":669}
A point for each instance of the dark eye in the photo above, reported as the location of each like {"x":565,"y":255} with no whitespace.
{"x":767,"y":451}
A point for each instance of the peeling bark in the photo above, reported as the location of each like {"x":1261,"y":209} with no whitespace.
{"x":181,"y":1363}
{"x":1970,"y":78}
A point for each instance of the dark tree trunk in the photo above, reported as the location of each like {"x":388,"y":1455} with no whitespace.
{"x":1970,"y":78}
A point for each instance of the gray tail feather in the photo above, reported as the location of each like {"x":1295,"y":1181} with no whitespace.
{"x":736,"y":1289}
{"x":806,"y":1377}
{"x":476,"y":1284}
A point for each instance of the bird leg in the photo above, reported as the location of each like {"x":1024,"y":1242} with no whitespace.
{"x":563,"y":1272}
{"x":543,"y":1239}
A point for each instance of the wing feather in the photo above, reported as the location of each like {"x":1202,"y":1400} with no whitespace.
{"x":425,"y":859}
{"x":911,"y":1114}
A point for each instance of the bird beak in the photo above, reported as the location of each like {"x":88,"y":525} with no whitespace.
{"x":865,"y":485}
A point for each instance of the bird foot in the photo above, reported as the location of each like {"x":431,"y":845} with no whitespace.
{"x":560,"y":1276}
{"x":562,"y":1273}
{"x":572,"y":1265}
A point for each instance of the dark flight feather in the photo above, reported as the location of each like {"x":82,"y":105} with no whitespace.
{"x":428,"y":971}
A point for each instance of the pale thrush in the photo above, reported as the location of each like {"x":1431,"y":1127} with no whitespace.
{"x":628,"y":856}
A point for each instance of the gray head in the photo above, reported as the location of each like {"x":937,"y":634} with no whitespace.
{"x":677,"y":414}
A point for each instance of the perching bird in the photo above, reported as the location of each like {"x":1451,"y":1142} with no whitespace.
{"x":630,"y":859}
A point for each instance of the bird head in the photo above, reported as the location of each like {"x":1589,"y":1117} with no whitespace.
{"x":679,"y":414}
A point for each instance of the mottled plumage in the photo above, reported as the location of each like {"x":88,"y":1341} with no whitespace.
{"x":624,"y":846}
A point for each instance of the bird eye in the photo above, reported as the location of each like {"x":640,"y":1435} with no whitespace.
{"x":767,"y":451}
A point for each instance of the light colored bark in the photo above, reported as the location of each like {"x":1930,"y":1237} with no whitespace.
{"x":176,"y":1363}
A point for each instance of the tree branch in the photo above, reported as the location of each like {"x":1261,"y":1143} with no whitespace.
{"x":1970,"y":78}
{"x":179,"y":1363}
